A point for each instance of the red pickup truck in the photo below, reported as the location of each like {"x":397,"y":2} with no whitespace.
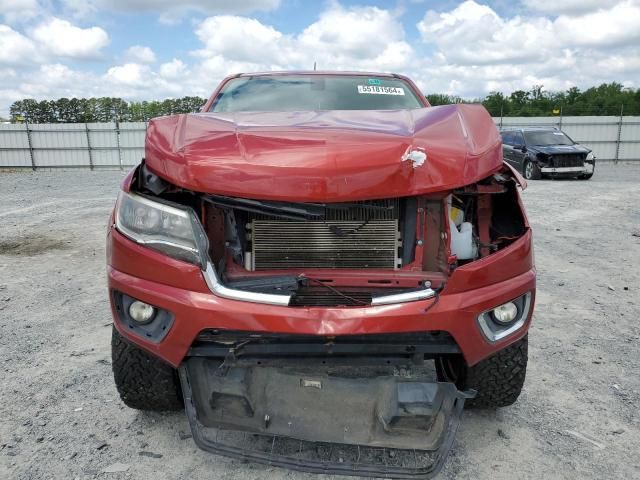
{"x":287,"y":263}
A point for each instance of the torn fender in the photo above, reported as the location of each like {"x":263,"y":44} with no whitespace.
{"x":329,"y":156}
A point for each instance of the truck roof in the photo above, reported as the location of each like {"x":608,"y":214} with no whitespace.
{"x":321,"y":72}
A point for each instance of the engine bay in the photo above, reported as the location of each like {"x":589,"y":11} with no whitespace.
{"x":348,"y":254}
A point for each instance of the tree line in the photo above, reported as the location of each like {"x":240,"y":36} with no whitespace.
{"x":606,"y":99}
{"x":103,"y":109}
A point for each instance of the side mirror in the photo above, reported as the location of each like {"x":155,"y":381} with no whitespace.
{"x":520,"y":147}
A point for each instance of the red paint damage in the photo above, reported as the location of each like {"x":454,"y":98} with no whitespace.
{"x":332,"y":156}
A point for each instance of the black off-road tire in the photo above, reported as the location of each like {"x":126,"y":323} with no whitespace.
{"x":534,"y":173}
{"x":498,"y":379}
{"x":144,"y":382}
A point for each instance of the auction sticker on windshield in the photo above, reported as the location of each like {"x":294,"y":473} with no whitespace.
{"x":379,"y":90}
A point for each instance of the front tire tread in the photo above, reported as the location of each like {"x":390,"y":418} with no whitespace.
{"x":144,"y":382}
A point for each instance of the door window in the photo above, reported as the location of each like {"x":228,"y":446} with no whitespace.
{"x":507,"y":138}
{"x":518,"y":139}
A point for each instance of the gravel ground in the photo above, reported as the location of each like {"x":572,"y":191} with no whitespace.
{"x":61,"y":416}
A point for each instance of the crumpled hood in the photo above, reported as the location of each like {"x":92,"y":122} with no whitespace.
{"x":558,"y":149}
{"x":327,"y":156}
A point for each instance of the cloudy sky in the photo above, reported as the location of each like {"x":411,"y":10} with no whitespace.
{"x":150,"y":49}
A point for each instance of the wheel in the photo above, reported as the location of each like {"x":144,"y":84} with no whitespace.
{"x":144,"y":382}
{"x":497,"y":379}
{"x":532,"y":171}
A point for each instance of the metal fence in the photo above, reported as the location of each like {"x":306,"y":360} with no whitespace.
{"x":121,"y":145}
{"x":72,"y":145}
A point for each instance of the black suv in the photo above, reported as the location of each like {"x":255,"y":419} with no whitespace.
{"x":538,"y":152}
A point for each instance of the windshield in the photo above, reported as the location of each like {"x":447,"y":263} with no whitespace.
{"x":547,"y":138}
{"x":269,"y":93}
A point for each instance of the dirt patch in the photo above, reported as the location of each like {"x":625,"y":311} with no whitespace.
{"x":31,"y":245}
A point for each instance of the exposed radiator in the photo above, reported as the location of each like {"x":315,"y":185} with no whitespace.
{"x":349,"y":235}
{"x":324,"y":244}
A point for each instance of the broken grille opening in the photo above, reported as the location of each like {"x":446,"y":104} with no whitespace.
{"x":316,"y":296}
{"x":280,"y":248}
{"x":330,"y":244}
{"x":359,"y":235}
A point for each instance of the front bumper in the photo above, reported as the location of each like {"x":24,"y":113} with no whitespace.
{"x":307,"y":420}
{"x":180,"y":288}
{"x":586,"y":169}
{"x":290,"y":411}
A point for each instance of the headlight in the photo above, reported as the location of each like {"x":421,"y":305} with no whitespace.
{"x":591,"y":156}
{"x":172,"y":230}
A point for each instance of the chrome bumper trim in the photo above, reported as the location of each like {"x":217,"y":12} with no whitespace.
{"x":563,"y":169}
{"x":217,"y":288}
{"x":211,"y":277}
{"x":403,"y":297}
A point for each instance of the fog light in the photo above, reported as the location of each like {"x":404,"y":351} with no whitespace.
{"x":141,"y":312}
{"x":508,"y":318}
{"x":506,"y":313}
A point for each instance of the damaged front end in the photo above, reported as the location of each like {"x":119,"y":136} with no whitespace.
{"x":365,"y":253}
{"x":344,"y":404}
{"x":305,"y":318}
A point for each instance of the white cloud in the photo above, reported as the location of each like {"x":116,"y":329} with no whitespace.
{"x":140,"y":54}
{"x":557,"y":7}
{"x":129,"y":74}
{"x":619,"y":25}
{"x":80,"y":8}
{"x":17,"y":10}
{"x":340,"y":39}
{"x":171,"y":11}
{"x":356,"y":38}
{"x":50,"y":78}
{"x":16,"y":48}
{"x":136,"y":81}
{"x":172,"y":69}
{"x":217,"y":6}
{"x":477,"y":50}
{"x":59,"y":37}
{"x":241,"y":39}
{"x":475,"y":34}
{"x":356,"y":32}
{"x":59,"y":75}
